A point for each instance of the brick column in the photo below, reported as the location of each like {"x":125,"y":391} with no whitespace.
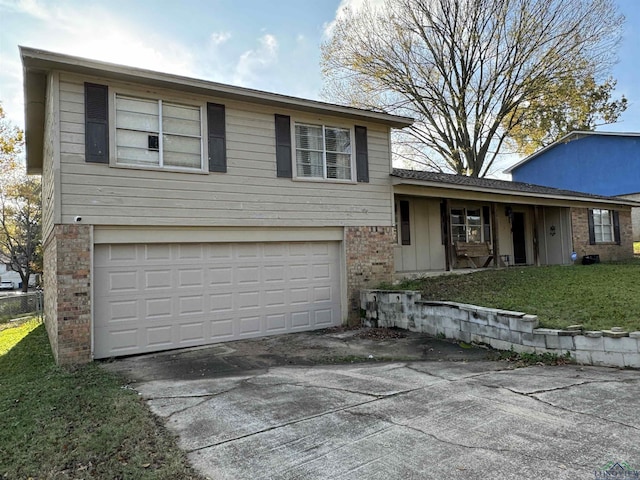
{"x":369,"y":255}
{"x":67,"y":289}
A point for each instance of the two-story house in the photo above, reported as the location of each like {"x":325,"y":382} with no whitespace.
{"x":179,"y":212}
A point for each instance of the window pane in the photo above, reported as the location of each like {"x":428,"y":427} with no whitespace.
{"x":338,"y":166}
{"x":596,"y":217}
{"x":606,"y":217}
{"x":606,"y":235}
{"x":458,"y":233}
{"x":309,"y":164}
{"x":475,"y":234}
{"x":309,"y":137}
{"x":133,"y":148}
{"x":180,"y":119}
{"x":181,"y":151}
{"x":137,"y":114}
{"x":337,"y":140}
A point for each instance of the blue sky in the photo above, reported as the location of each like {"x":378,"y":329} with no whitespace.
{"x":268,"y":45}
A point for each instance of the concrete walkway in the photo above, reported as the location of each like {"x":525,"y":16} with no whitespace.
{"x":251,"y":410}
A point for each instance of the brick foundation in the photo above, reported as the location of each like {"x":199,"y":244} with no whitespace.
{"x":369,"y":256}
{"x":67,"y":288}
{"x":607,"y":251}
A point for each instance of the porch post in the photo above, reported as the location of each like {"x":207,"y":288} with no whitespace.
{"x":446,"y":221}
{"x":495,"y":236}
{"x":536,"y":253}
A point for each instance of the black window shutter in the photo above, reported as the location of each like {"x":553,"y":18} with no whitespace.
{"x":592,"y":233}
{"x":405,"y":225}
{"x":486,"y":223}
{"x":96,"y":123}
{"x":443,"y":222}
{"x":283,"y":146}
{"x":217,"y":137}
{"x":362,"y":154}
{"x":616,"y":226}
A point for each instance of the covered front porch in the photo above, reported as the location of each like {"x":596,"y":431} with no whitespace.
{"x":454,"y":232}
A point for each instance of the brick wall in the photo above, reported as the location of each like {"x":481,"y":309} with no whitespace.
{"x":608,"y":251}
{"x":67,"y":287}
{"x":369,"y":256}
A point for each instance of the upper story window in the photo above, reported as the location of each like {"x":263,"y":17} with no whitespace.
{"x":157,"y":133}
{"x":323,"y":152}
{"x":602,"y":225}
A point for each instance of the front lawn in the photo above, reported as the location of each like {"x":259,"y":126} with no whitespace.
{"x":56,"y":424}
{"x":597,"y":296}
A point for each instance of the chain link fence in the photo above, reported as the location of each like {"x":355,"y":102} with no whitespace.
{"x":21,"y":305}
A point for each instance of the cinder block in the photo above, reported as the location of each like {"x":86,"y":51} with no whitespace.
{"x":614,"y":334}
{"x":534,"y":340}
{"x":593,"y":333}
{"x":523,"y":348}
{"x":520,"y":324}
{"x":506,"y":335}
{"x":450,"y":323}
{"x":516,"y":337}
{"x":464,"y":336}
{"x":623,"y":345}
{"x":607,"y":359}
{"x":552,"y":341}
{"x":634,"y":334}
{"x":566,"y":343}
{"x":583,"y":342}
{"x":582,"y":357}
{"x":631,"y":360}
{"x":499,"y":344}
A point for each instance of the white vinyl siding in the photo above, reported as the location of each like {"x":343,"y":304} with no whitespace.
{"x":249,"y":194}
{"x":156,"y":133}
{"x":323,"y":152}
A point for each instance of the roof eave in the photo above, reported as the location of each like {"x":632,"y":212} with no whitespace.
{"x":497,"y":191}
{"x":44,"y":61}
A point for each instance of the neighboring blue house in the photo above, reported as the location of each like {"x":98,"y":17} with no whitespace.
{"x":601,"y":163}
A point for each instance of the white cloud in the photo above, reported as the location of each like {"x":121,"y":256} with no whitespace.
{"x":252,"y":62}
{"x":91,"y":32}
{"x":218,"y":38}
{"x":341,"y":11}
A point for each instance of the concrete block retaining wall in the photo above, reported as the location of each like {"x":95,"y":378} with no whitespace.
{"x":501,"y":329}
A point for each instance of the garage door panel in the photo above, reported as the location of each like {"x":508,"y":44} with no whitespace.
{"x":157,"y":297}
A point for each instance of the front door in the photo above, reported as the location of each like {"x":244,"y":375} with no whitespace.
{"x":519,"y":243}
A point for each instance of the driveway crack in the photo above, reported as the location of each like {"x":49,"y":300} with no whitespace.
{"x":533,"y":395}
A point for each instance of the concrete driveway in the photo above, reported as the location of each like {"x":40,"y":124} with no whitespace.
{"x":265,"y":409}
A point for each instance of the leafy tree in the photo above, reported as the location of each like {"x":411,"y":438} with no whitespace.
{"x":475,"y":74}
{"x":570,"y":105}
{"x":20,"y":208}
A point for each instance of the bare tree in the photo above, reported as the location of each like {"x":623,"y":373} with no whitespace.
{"x":20,"y":207}
{"x":466,"y":70}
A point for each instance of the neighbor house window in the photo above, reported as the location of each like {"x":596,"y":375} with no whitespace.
{"x":323,"y":152}
{"x":602,"y":225}
{"x":466,"y":224}
{"x":157,"y":133}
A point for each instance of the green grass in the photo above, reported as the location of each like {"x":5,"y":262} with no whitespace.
{"x":56,"y":424}
{"x":597,"y":296}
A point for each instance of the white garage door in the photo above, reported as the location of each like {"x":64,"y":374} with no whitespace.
{"x":151,"y":297}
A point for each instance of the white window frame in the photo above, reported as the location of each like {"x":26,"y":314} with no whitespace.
{"x":324,"y":126}
{"x":113,"y":132}
{"x":599,"y":227}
